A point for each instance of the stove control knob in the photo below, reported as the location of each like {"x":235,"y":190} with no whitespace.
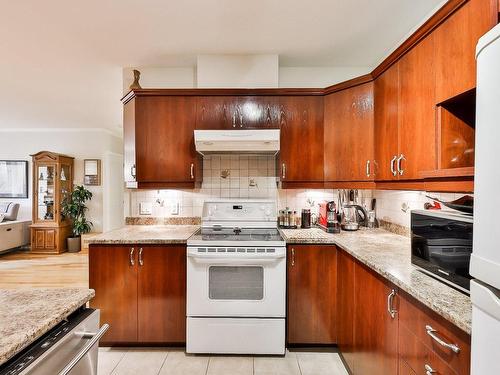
{"x":268,"y":212}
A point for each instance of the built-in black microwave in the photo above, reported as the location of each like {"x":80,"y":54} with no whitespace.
{"x":441,"y":245}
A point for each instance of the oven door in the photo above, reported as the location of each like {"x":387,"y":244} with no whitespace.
{"x":236,"y":284}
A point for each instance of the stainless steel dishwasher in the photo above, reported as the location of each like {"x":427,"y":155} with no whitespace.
{"x":70,"y":348}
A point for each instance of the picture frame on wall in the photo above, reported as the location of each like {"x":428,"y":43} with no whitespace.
{"x":13,"y":179}
{"x":92,"y":172}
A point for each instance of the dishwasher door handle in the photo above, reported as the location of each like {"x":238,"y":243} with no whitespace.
{"x":94,"y":339}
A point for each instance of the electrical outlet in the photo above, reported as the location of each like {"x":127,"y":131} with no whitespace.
{"x":174,"y":209}
{"x":145,"y":208}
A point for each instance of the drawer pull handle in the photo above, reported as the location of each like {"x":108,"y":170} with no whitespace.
{"x":9,"y":229}
{"x":432,"y":333}
{"x":429,"y":370}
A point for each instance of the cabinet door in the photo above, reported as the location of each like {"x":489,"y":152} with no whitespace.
{"x":345,"y":303}
{"x":129,"y":163}
{"x":386,"y":122}
{"x":113,"y":276}
{"x":375,"y":331}
{"x":215,"y":113}
{"x":257,"y":112}
{"x":165,"y":139}
{"x":312,"y":294}
{"x":301,"y":154}
{"x":349,"y":134}
{"x":162,"y":294}
{"x":455,"y":47}
{"x":417,"y":119}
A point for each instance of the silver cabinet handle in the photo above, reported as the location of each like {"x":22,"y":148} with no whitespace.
{"x":234,"y":119}
{"x":432,"y":333}
{"x":400,"y":170}
{"x":141,"y":262}
{"x":241,"y":120}
{"x":283,"y":171}
{"x":429,"y":370}
{"x":95,"y":337}
{"x":390,"y":299}
{"x":192,"y":171}
{"x":133,"y":171}
{"x":368,"y":168}
{"x":293,"y":257}
{"x":393,"y":171}
{"x":131,"y":256}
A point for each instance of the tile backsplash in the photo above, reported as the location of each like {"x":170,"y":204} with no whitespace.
{"x":244,"y":176}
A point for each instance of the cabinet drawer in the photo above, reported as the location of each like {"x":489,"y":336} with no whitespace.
{"x":419,"y":357}
{"x":416,"y":318}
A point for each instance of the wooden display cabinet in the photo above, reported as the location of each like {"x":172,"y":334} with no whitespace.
{"x":52,"y":182}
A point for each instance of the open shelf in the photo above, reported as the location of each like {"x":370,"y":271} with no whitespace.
{"x":456,"y":132}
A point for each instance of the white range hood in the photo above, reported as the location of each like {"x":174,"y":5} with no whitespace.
{"x":256,"y":141}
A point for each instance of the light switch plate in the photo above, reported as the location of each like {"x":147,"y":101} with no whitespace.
{"x":174,"y":209}
{"x":145,"y":208}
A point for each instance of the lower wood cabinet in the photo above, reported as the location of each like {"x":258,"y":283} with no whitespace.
{"x":375,"y":349}
{"x":382,"y":330}
{"x":345,"y":304}
{"x":428,"y":342}
{"x":312,"y":294}
{"x":141,"y":292}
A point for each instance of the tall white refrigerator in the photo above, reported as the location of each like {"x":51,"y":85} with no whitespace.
{"x":485,"y":260}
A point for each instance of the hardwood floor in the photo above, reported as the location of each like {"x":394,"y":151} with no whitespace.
{"x":22,"y":269}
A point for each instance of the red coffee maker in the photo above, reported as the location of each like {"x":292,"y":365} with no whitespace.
{"x":327,"y":219}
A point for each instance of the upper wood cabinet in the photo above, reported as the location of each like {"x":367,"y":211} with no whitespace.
{"x":312,"y":294}
{"x":417,"y":114}
{"x":348,"y":153}
{"x":238,"y":112}
{"x":455,"y":46}
{"x":159,"y":136}
{"x":301,"y":144}
{"x":386,"y":100}
{"x":141,"y":292}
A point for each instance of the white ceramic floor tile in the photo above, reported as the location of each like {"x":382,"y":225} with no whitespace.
{"x":230,"y":366}
{"x":180,"y":363}
{"x":108,"y":359}
{"x":321,"y":364}
{"x":143,"y":361}
{"x":287,"y":365}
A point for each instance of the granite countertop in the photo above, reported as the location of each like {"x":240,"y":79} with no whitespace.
{"x":389,"y":255}
{"x":145,"y":234}
{"x":27,"y":314}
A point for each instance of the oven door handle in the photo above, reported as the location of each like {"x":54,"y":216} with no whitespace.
{"x":94,"y":339}
{"x":220,"y":258}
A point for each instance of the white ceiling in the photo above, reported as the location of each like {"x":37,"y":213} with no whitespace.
{"x":61,"y":61}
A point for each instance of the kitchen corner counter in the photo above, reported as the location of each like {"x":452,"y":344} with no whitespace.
{"x":145,"y":234}
{"x":27,"y":314}
{"x":388,"y":254}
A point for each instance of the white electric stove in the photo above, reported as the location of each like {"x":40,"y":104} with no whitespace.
{"x":236,"y":280}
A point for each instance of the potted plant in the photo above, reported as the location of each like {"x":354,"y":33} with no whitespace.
{"x":73,"y":208}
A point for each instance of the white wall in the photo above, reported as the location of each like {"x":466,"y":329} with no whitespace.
{"x":237,"y":71}
{"x":321,"y":76}
{"x":79,"y":143}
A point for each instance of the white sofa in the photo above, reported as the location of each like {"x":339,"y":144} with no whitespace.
{"x":13,"y":233}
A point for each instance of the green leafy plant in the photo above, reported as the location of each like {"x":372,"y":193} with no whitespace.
{"x":73,"y":207}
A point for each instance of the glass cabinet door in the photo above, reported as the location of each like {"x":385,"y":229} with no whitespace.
{"x":46,"y":192}
{"x":65,"y":178}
